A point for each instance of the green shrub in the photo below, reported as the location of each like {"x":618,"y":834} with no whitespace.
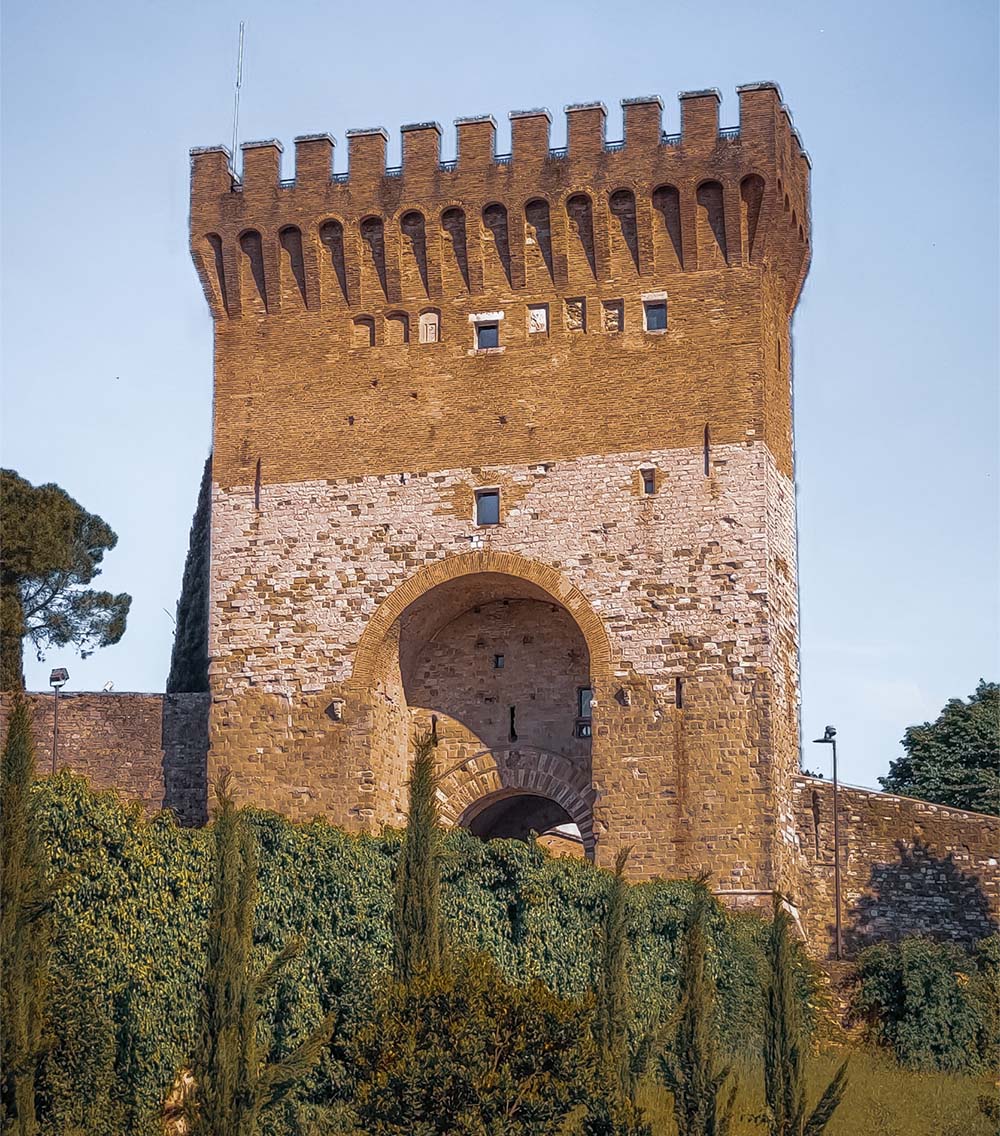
{"x":462,"y":1050}
{"x":934,"y":1004}
{"x":131,"y":912}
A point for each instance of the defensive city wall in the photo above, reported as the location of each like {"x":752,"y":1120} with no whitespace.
{"x":909,"y":867}
{"x":150,"y":748}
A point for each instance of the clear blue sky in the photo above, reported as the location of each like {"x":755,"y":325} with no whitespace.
{"x":107,"y":344}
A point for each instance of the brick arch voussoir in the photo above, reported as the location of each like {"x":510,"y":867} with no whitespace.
{"x":483,"y":778}
{"x":378,"y":628}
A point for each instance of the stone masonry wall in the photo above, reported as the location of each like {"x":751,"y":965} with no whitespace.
{"x":678,"y":581}
{"x":150,"y":747}
{"x":543,"y":661}
{"x":908,"y":867}
{"x":783,"y":716}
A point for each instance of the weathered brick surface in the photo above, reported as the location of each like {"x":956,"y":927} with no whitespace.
{"x":150,"y":747}
{"x":294,"y":392}
{"x":908,"y":867}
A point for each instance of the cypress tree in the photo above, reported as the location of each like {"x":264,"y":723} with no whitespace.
{"x":24,"y":931}
{"x":233,"y":1084}
{"x":784,"y":1076}
{"x":690,"y":1068}
{"x":614,"y":1109}
{"x":189,"y":656}
{"x":612,"y":1010}
{"x":417,"y":927}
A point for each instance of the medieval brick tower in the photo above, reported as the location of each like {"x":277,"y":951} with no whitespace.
{"x":506,"y":441}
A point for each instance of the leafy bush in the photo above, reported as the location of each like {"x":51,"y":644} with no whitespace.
{"x":934,"y":1004}
{"x":462,"y":1050}
{"x":131,"y":913}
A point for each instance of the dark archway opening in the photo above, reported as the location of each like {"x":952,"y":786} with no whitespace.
{"x":517,"y":817}
{"x":500,"y":669}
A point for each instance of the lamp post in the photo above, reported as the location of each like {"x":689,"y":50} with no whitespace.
{"x":830,"y":738}
{"x":57,"y":680}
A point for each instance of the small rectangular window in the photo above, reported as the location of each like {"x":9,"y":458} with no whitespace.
{"x":648,"y":480}
{"x":488,"y":507}
{"x":487,"y":335}
{"x":655,"y":313}
{"x":498,"y":662}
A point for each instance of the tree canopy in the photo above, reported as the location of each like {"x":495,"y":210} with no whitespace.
{"x":52,"y":548}
{"x":954,"y":760}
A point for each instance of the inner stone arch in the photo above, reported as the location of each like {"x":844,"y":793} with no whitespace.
{"x":500,"y":670}
{"x":513,"y":815}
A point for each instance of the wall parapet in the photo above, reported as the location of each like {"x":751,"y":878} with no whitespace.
{"x":264,"y":244}
{"x":909,"y":867}
{"x":585,"y":128}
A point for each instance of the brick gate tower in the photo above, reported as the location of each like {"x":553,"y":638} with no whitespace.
{"x":507,"y":441}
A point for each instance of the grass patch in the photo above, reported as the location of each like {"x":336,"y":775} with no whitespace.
{"x":882,"y":1099}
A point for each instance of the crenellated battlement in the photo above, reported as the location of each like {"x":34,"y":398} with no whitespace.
{"x":705,"y":198}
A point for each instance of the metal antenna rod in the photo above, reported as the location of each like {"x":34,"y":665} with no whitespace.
{"x":236,"y":97}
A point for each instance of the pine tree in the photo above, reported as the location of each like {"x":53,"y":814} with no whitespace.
{"x":690,"y":1068}
{"x":614,"y":1109}
{"x":784,"y":1076}
{"x":52,"y":548}
{"x":24,"y":931}
{"x":233,"y":1084}
{"x":417,"y":927}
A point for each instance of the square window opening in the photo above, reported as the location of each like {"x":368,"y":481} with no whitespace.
{"x":487,"y":336}
{"x":655,"y":312}
{"x":498,"y":662}
{"x":576,"y":314}
{"x":488,"y":507}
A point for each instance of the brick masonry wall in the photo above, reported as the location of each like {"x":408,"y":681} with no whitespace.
{"x":150,"y":747}
{"x":908,"y":867}
{"x":300,"y":391}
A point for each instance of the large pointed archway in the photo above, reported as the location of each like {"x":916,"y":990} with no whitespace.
{"x":497,"y":654}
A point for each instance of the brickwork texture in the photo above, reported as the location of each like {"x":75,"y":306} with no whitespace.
{"x":601,"y":335}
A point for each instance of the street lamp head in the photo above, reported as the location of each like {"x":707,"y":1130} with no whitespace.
{"x":59,"y":678}
{"x":828,"y":735}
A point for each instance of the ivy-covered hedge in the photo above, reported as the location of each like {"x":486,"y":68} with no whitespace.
{"x":934,"y":1004}
{"x":131,"y":908}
